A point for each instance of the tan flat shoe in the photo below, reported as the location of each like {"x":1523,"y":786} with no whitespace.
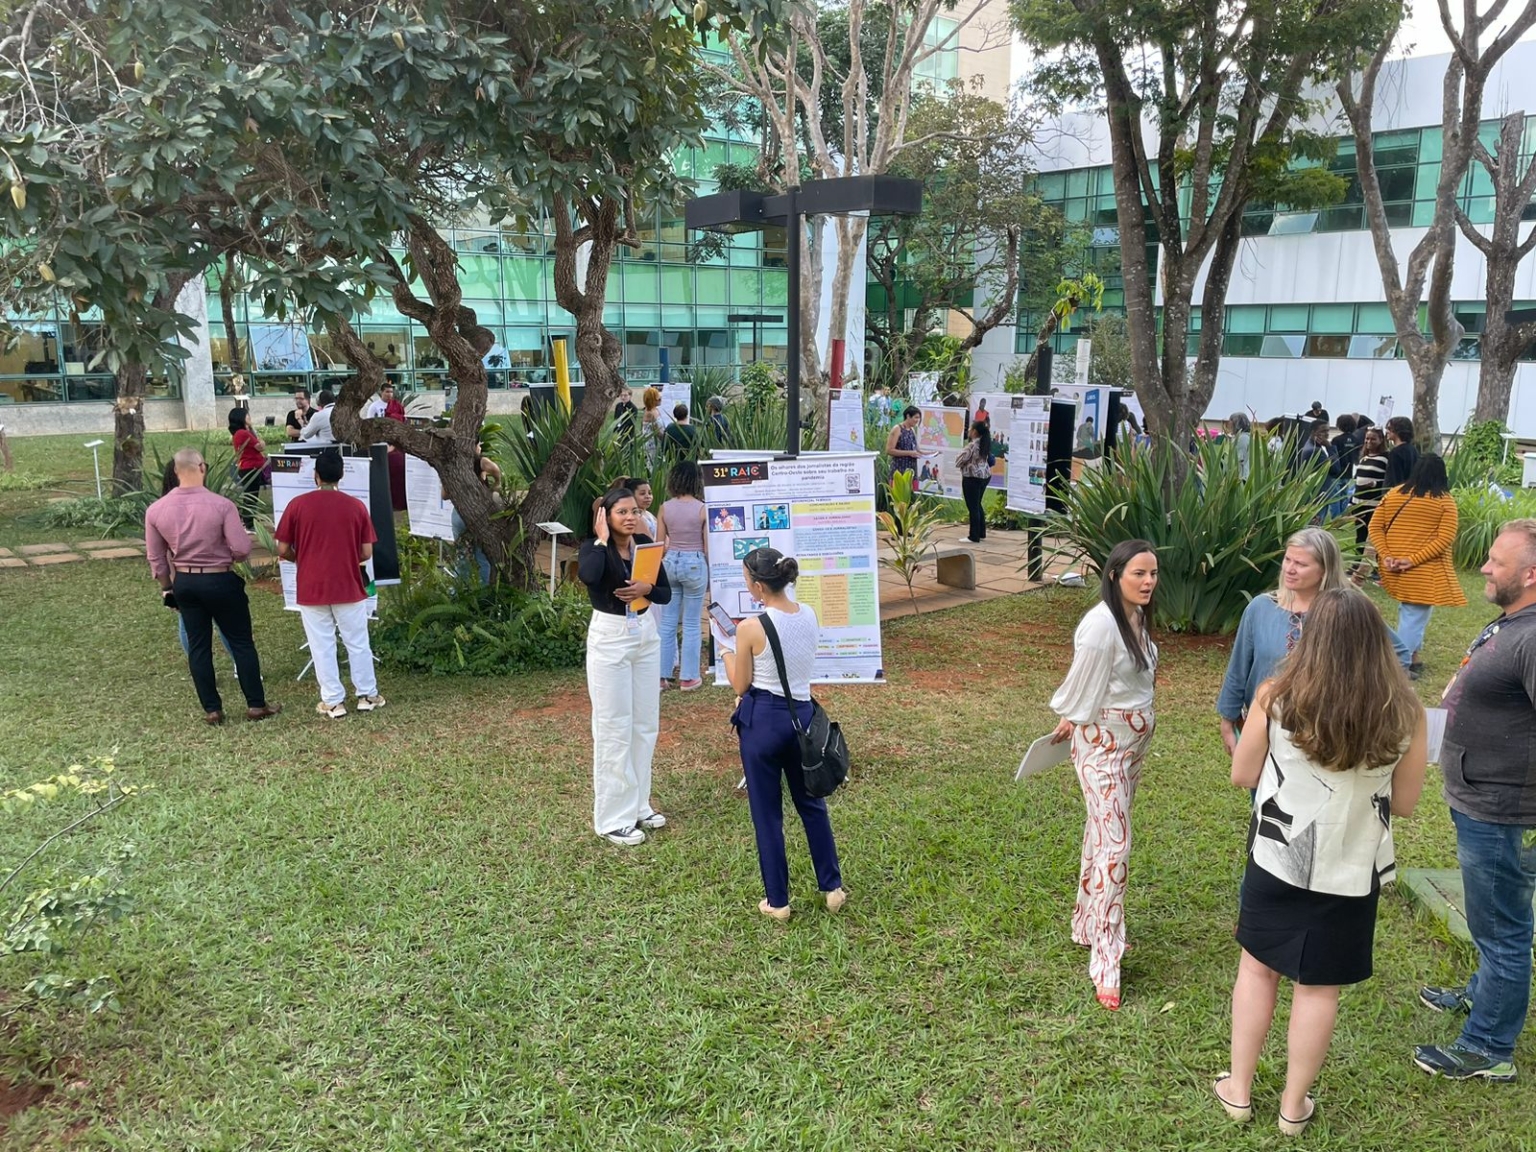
{"x":767,"y":909}
{"x":836,"y":899}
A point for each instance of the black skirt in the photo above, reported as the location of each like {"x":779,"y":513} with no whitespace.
{"x":1310,"y":937}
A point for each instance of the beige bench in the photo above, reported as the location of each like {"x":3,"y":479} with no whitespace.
{"x":956,"y":568}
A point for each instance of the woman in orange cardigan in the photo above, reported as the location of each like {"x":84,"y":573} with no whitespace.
{"x":1414,"y":532}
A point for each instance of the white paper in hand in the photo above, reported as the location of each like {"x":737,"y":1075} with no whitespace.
{"x":728,"y":643}
{"x":1043,"y":754}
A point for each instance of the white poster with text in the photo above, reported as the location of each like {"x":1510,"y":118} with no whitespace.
{"x":820,"y":509}
{"x":430,"y":512}
{"x":294,"y":475}
{"x":1029,"y":423}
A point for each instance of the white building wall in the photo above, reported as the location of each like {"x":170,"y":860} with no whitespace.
{"x":1330,"y":267}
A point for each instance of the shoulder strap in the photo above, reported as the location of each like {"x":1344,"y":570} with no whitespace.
{"x":778,"y":658}
{"x":1398,"y":513}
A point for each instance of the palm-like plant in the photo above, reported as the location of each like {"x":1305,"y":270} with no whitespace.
{"x":909,"y":522}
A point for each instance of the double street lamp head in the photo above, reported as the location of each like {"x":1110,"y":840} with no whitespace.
{"x":731,"y":213}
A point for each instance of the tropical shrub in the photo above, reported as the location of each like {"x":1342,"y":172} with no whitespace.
{"x":909,"y":522}
{"x":463,"y":629}
{"x":79,"y":893}
{"x":761,"y":383}
{"x":1480,"y":514}
{"x":1219,"y":538}
{"x":25,"y":482}
{"x":1476,"y":457}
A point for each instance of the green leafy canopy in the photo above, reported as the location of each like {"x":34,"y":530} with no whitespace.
{"x":145,"y":139}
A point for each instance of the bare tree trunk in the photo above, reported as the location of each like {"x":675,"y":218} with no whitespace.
{"x":227,"y":308}
{"x":128,"y":429}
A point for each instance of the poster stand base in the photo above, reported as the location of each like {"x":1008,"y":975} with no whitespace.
{"x":1035,"y":548}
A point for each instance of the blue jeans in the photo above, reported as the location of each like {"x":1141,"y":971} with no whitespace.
{"x":186,"y":643}
{"x":481,"y":560}
{"x":1498,"y":873}
{"x":770,"y":757}
{"x":1412,"y":623}
{"x":688,"y":573}
{"x":1338,"y":498}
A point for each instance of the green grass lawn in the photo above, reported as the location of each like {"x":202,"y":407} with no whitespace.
{"x":398,"y":932}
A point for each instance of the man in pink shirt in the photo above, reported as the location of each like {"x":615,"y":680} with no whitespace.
{"x":329,"y":534}
{"x":193,"y":538}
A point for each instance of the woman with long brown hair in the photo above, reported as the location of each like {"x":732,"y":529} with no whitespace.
{"x":1335,"y":746}
{"x":1105,"y":705}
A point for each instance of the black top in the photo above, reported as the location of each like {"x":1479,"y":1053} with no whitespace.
{"x":1488,"y":757}
{"x":293,"y":418}
{"x":684,"y":437}
{"x":603,"y":571}
{"x":1400,"y":462}
{"x":1345,"y":451}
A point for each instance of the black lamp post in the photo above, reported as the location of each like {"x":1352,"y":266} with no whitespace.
{"x":751,"y":211}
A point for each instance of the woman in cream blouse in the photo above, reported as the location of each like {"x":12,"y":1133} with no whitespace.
{"x":1105,"y":705}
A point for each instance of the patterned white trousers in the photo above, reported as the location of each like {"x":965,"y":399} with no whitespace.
{"x":1107,"y":754}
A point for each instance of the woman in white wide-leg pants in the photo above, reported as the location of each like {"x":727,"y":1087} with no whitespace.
{"x":623,"y":672}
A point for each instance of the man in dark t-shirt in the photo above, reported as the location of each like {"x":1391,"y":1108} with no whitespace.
{"x":299,"y":414}
{"x":328,"y":534}
{"x":1403,"y":454}
{"x":1488,"y":760}
{"x":682,"y":437}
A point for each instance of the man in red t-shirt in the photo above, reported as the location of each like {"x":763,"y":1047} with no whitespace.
{"x":328,"y":534}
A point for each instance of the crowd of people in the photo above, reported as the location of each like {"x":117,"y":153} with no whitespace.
{"x":1325,"y":782}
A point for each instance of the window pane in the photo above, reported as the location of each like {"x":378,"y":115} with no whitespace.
{"x":1372,"y":347}
{"x":1375,"y":318}
{"x":1288,"y":318}
{"x":1241,"y":344}
{"x":1341,"y":218}
{"x":1283,"y":347}
{"x":1245,"y":318}
{"x":1333,"y":318}
{"x":1319,"y":344}
{"x":1293,"y":223}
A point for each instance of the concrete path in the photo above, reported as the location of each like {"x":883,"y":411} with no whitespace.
{"x":1000,"y":567}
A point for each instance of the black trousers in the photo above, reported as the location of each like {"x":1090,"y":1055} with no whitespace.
{"x":206,"y":599}
{"x":250,"y":488}
{"x":973,"y":488}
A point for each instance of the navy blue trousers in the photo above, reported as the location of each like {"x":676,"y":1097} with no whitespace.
{"x":770,"y":752}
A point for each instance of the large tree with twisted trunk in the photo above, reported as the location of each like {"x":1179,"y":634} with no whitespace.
{"x":143,"y":143}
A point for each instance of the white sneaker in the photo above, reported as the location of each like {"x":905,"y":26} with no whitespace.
{"x":331,"y":711}
{"x":369,"y":703}
{"x":652,"y":822}
{"x":628,"y":837}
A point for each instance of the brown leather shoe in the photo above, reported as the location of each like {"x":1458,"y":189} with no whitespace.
{"x":265,"y":712}
{"x":213,"y":717}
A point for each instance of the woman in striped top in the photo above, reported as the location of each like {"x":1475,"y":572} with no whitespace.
{"x":1414,"y":531}
{"x":1370,"y":486}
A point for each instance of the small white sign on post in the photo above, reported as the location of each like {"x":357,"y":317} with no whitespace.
{"x":1084,"y":358}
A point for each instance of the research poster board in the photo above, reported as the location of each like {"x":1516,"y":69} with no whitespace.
{"x":820,"y":509}
{"x":1029,"y":422}
{"x":673,"y":394}
{"x":294,"y":475}
{"x":996,"y":409}
{"x":940,"y":437}
{"x":845,"y":422}
{"x":430,"y":513}
{"x":923,"y":387}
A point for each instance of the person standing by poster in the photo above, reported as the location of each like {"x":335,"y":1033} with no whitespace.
{"x":770,"y":747}
{"x":250,"y":464}
{"x":192,"y":539}
{"x":328,"y":535}
{"x":901,"y":443}
{"x":623,"y":671}
{"x":975,"y":464}
{"x":1105,"y":705}
{"x":681,"y":529}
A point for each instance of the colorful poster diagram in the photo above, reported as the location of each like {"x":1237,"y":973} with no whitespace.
{"x":820,"y":509}
{"x":293,"y":475}
{"x":940,"y":437}
{"x":845,"y":424}
{"x":994,"y":408}
{"x":1029,"y":423}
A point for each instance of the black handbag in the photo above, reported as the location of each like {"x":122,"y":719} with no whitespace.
{"x":823,"y":751}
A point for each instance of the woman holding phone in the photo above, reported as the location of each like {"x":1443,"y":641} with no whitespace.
{"x":623,"y":671}
{"x":770,"y":748}
{"x":1105,"y":705}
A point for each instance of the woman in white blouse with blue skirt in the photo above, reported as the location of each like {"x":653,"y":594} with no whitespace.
{"x":1105,"y":705}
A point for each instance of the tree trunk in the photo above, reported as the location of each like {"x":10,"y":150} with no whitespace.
{"x":128,"y":430}
{"x":1502,"y":344}
{"x":227,"y":308}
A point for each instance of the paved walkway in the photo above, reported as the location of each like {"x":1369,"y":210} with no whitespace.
{"x":1000,"y":567}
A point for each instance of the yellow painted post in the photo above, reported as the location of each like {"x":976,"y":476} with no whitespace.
{"x":562,"y":372}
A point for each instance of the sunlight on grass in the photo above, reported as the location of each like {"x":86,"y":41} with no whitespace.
{"x":398,"y":932}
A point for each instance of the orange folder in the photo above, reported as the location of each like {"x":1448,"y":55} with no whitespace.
{"x":646,"y":568}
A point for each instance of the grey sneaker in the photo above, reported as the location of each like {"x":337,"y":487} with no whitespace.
{"x":369,"y":703}
{"x":627,"y":837}
{"x":1445,"y":999}
{"x":331,"y":711}
{"x":652,"y":822}
{"x":1457,"y":1063}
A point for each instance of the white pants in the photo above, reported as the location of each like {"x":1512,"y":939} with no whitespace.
{"x":624,"y":682}
{"x":321,"y":623}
